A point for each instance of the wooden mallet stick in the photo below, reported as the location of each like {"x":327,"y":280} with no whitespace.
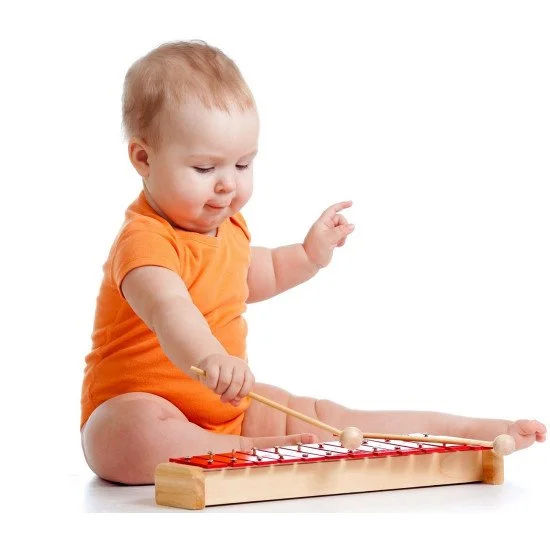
{"x":352,"y":438}
{"x":502,"y":445}
{"x":282,"y":408}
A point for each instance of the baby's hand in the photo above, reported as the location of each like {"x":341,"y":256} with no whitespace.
{"x":228,"y":376}
{"x":328,"y":232}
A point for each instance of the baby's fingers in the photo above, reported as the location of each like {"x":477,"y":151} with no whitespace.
{"x":340,"y":220}
{"x":225,"y":380}
{"x":248,"y":384}
{"x":246,"y":388}
{"x":339,"y":233}
{"x":328,"y":214}
{"x":232,"y":391}
{"x":212,"y":376}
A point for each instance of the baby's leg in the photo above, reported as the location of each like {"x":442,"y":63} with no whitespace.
{"x":127,"y":436}
{"x":260,"y":419}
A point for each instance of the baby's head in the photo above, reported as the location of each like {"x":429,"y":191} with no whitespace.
{"x":192,"y":129}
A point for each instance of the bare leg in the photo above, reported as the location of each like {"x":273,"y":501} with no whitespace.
{"x":126,"y":437}
{"x":259,"y":419}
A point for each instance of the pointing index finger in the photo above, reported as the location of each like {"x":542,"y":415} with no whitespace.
{"x":331,"y":210}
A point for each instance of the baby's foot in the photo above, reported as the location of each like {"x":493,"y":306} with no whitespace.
{"x":526,"y":432}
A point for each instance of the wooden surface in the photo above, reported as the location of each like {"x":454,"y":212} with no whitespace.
{"x":493,"y":468}
{"x":192,"y":487}
{"x":181,"y":487}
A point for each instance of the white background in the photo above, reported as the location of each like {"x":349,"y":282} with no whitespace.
{"x":433,"y":117}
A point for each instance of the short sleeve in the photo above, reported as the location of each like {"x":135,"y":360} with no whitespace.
{"x":138,"y":247}
{"x":239,"y":221}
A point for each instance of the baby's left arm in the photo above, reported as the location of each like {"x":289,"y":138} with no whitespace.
{"x":273,"y":271}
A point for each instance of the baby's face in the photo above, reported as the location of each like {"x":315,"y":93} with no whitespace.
{"x":203,"y":172}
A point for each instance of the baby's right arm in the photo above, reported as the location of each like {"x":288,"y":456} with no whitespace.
{"x":160,"y":298}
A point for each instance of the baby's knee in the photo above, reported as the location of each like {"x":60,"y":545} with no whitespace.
{"x":122,"y":439}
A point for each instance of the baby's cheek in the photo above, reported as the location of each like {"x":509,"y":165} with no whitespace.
{"x":242,"y":198}
{"x":192,"y":197}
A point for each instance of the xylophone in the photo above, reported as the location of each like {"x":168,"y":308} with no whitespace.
{"x":357,"y":462}
{"x":316,"y":469}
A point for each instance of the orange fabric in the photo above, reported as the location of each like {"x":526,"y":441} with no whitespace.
{"x":126,"y":356}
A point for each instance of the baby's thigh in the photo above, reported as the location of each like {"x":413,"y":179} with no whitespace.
{"x":262,"y":420}
{"x":127,"y":436}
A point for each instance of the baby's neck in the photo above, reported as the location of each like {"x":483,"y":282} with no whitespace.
{"x":151,"y":202}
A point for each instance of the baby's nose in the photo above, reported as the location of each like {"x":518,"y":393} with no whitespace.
{"x":226,"y":183}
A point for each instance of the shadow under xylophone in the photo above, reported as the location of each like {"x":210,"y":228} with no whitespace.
{"x":316,"y":469}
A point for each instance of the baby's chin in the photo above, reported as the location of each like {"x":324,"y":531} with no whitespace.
{"x":208,"y":226}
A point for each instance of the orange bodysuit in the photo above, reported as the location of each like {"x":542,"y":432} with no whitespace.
{"x":126,"y":355}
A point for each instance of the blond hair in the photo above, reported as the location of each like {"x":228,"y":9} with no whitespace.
{"x":172,"y":74}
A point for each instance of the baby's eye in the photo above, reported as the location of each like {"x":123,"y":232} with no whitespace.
{"x":206,"y":170}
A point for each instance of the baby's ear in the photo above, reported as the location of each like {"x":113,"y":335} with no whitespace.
{"x":139,"y":156}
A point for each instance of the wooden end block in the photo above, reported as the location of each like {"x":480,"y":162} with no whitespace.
{"x":180,"y":486}
{"x":493,"y":468}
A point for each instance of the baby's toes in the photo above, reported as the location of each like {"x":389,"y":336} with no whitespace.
{"x":538,"y":427}
{"x":525,"y":427}
{"x":530,"y":427}
{"x":541,"y":431}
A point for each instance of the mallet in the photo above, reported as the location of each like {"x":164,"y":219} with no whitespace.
{"x":352,"y":437}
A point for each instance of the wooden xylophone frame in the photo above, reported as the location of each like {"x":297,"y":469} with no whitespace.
{"x":317,"y":469}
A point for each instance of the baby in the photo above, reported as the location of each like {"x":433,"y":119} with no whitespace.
{"x":178,"y":278}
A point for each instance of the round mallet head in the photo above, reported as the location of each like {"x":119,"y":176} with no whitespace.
{"x":504,"y":445}
{"x":351,"y":438}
